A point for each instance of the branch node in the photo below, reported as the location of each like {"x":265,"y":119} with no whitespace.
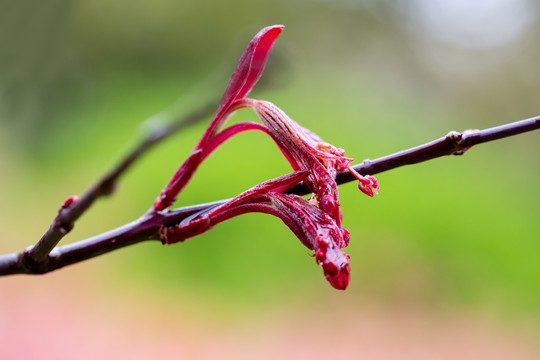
{"x":454,"y":137}
{"x":32,"y":266}
{"x":61,"y":223}
{"x":108,"y":186}
{"x":462,"y":149}
{"x":65,"y":228}
{"x":367,"y":163}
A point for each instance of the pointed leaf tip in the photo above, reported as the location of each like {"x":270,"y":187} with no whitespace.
{"x":265,"y":40}
{"x":250,"y":66}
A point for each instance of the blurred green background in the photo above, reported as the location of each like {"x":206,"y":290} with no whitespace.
{"x":82,"y":81}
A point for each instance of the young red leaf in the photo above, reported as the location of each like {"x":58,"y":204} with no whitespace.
{"x":248,"y":201}
{"x":250,"y":67}
{"x":244,"y":77}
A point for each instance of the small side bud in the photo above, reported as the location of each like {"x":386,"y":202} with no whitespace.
{"x":70,"y":200}
{"x":465,"y":133}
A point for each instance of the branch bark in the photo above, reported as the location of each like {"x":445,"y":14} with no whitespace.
{"x":74,"y":208}
{"x":45,"y":257}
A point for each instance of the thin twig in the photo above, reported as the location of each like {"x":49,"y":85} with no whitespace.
{"x":148,"y":226}
{"x":74,"y":209}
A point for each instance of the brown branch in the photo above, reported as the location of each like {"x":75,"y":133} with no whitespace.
{"x":148,"y":226}
{"x":74,"y":209}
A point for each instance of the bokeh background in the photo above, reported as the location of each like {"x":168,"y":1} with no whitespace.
{"x":445,"y":261}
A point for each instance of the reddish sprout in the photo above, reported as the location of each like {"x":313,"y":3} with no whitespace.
{"x":317,"y":221}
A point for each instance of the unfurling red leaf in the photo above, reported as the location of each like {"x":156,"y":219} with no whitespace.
{"x":250,"y":67}
{"x":317,"y":221}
